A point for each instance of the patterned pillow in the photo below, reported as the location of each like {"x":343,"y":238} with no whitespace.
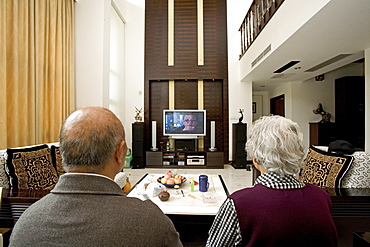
{"x":31,"y":168}
{"x":56,"y":157}
{"x":4,"y":180}
{"x":358,"y":175}
{"x":324,"y":169}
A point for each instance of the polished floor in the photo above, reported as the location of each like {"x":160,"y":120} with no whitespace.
{"x":235,"y":179}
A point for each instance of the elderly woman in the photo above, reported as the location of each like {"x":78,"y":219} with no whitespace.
{"x":279,"y":210}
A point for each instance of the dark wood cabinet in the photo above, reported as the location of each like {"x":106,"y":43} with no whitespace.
{"x":321,"y":134}
{"x":350,"y":110}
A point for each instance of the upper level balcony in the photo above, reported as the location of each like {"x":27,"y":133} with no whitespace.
{"x":260,"y":12}
{"x":284,"y":41}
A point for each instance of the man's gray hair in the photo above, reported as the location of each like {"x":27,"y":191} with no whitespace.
{"x":89,"y":146}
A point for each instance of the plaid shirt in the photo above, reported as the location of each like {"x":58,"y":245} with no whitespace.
{"x":225,"y":230}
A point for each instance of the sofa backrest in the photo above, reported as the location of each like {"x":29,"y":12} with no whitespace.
{"x":330,"y":170}
{"x":30,"y":167}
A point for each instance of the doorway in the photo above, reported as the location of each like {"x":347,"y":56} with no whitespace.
{"x":277,"y":105}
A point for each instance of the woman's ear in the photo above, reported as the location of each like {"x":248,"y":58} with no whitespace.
{"x":258,"y":166}
{"x":255,"y":162}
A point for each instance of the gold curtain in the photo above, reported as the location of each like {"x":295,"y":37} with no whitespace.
{"x":36,"y":70}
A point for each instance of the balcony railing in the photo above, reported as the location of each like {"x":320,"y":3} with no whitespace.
{"x":256,"y":19}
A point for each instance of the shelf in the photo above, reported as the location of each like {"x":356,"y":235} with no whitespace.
{"x":190,"y":159}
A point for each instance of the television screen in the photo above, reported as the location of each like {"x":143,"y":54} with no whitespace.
{"x":184,"y":122}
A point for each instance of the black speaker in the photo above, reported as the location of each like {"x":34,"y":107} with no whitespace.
{"x":138,"y":149}
{"x":138,"y":145}
{"x":239,"y":155}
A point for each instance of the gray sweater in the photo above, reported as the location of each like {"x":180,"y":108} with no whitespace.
{"x":88,"y":210}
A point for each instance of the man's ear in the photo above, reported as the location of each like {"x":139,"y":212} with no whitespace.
{"x":121,"y":150}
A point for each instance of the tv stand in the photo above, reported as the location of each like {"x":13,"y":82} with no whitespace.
{"x":184,"y":159}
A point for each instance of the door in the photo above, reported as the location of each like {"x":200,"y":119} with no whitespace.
{"x":277,"y":105}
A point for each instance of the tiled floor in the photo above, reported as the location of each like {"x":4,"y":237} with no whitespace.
{"x":234,"y":179}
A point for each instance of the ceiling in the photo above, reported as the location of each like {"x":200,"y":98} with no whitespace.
{"x":336,"y":36}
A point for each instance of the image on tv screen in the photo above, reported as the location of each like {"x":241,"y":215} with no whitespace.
{"x":184,"y":122}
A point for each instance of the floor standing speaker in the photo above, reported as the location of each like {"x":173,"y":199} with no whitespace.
{"x":239,"y":155}
{"x":138,"y":146}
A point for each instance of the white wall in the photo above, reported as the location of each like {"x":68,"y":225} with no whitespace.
{"x":134,"y":62}
{"x":117,"y":64}
{"x":92,"y":28}
{"x":264,"y":100}
{"x":240,"y":93}
{"x":89,"y":42}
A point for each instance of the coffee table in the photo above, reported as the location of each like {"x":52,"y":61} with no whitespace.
{"x":183,"y":201}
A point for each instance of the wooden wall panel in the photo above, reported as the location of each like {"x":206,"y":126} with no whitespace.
{"x":186,"y":94}
{"x":213,"y":103}
{"x":156,"y":38}
{"x":186,"y":51}
{"x":186,"y":65}
{"x":159,"y":101}
{"x":215,"y":40}
{"x":214,"y":72}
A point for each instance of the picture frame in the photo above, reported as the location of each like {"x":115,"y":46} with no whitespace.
{"x":254,"y":107}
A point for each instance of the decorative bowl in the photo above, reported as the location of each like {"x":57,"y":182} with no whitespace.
{"x":183,"y":180}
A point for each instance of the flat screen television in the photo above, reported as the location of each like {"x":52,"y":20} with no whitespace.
{"x":184,"y":123}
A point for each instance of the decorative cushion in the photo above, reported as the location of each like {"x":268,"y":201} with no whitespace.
{"x":31,"y":168}
{"x":56,"y":157}
{"x":358,"y":175}
{"x":4,"y":180}
{"x":324,"y":169}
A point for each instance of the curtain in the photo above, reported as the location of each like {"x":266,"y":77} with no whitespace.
{"x":37,"y":89}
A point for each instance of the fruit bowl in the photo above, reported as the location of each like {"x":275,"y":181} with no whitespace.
{"x":183,"y":180}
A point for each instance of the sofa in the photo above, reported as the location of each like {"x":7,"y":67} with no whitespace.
{"x":35,"y":167}
{"x":31,"y":167}
{"x":330,"y":170}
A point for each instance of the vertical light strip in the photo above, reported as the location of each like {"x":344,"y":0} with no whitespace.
{"x":171,"y":105}
{"x":200,"y":107}
{"x":200,"y":95}
{"x":171,"y":11}
{"x":171,"y":94}
{"x":200,"y":33}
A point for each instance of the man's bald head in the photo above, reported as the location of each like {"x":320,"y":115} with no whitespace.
{"x":88,"y":138}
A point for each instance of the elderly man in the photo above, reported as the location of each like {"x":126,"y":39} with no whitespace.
{"x":86,"y":207}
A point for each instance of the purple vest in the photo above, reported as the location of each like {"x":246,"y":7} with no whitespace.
{"x":289,"y":217}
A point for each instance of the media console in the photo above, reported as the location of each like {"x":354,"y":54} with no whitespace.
{"x":184,"y":159}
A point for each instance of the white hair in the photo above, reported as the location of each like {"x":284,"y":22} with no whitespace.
{"x":277,"y":144}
